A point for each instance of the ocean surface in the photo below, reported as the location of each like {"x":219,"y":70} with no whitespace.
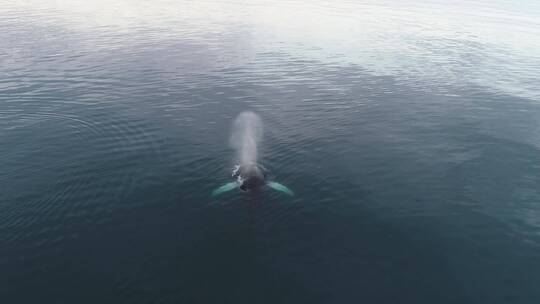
{"x":409,"y":131}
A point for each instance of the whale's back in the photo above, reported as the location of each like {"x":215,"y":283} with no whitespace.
{"x":252,"y":177}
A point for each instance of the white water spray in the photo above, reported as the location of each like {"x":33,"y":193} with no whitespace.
{"x":247,"y":132}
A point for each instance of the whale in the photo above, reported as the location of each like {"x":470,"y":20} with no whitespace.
{"x":248,"y":175}
{"x":250,"y":178}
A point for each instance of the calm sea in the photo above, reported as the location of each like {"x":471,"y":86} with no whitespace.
{"x":409,"y":131}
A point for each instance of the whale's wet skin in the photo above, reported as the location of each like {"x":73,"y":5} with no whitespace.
{"x":250,"y":176}
{"x":409,"y":132}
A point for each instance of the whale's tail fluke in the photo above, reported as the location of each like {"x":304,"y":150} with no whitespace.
{"x":281,"y":188}
{"x":225,"y":188}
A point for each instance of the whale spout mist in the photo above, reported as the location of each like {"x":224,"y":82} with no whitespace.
{"x":246,"y":135}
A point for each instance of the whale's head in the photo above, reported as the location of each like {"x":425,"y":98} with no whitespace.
{"x":251,"y":176}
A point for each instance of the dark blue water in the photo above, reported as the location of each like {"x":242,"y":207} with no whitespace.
{"x":409,"y":131}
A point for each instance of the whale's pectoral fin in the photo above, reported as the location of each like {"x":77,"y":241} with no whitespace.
{"x":227,"y":187}
{"x":281,"y":188}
